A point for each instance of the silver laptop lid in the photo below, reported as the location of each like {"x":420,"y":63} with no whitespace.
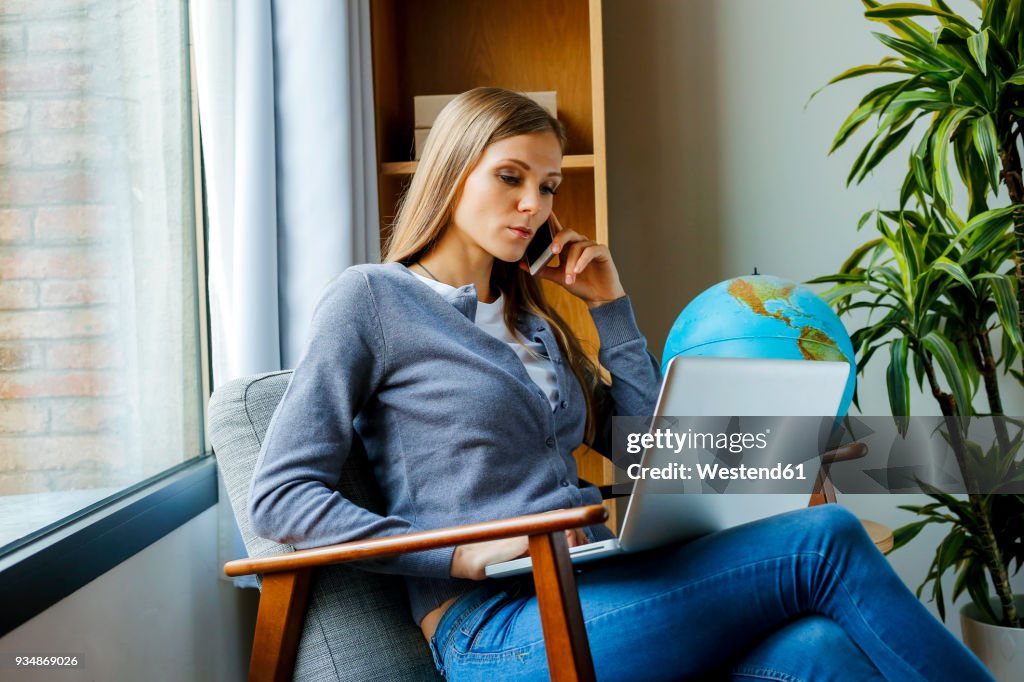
{"x":751,"y":387}
{"x":727,"y":387}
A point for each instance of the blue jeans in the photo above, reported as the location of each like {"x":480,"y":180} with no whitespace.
{"x":799,"y":596}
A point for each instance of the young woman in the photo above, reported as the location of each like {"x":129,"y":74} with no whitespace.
{"x":470,"y":393}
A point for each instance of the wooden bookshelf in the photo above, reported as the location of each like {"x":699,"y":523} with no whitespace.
{"x":570,"y":162}
{"x":439,"y":47}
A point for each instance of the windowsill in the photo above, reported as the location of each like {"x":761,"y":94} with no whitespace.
{"x":37,"y":572}
{"x":24,"y":514}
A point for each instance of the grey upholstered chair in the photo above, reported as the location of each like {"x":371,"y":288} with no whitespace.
{"x":357,"y":623}
{"x":333,"y":622}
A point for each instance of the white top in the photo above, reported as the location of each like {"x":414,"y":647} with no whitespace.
{"x":490,"y":318}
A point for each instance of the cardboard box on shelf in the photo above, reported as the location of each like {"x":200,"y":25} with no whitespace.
{"x":427,"y":107}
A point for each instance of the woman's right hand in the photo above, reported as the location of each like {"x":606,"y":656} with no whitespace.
{"x":470,"y":561}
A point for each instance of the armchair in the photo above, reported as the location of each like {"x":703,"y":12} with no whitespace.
{"x":322,"y":620}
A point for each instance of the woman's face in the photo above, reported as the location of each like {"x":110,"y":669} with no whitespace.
{"x":508,"y":194}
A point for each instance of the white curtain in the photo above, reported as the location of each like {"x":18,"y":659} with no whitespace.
{"x":286,"y":114}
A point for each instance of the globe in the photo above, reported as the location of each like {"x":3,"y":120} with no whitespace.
{"x":760,"y":316}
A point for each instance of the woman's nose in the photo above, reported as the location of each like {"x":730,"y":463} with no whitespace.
{"x":529,"y":202}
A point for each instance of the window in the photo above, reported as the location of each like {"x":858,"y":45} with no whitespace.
{"x":101,"y":379}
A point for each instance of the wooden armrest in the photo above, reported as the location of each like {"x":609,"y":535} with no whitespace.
{"x":845,"y":453}
{"x":531,"y":524}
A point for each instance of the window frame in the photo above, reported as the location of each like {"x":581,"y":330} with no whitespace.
{"x":51,"y":563}
{"x":47,"y":566}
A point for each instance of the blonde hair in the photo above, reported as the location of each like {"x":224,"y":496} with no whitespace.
{"x":464,"y":128}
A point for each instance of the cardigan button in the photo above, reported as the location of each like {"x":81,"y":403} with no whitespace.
{"x":564,"y":404}
{"x":550,"y":442}
{"x":565,"y":484}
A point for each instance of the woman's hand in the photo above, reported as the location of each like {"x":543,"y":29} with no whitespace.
{"x":585,"y":267}
{"x":469,"y":561}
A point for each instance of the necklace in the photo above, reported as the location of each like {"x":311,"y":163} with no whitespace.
{"x":424,"y":268}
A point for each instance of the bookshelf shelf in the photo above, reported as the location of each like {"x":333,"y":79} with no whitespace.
{"x":570,"y":162}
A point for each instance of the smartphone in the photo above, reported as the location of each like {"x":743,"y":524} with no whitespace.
{"x":538,"y":253}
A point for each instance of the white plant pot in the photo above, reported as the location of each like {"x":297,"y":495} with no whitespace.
{"x":1000,"y":648}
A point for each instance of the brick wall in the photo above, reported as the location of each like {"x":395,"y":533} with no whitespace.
{"x":63,"y":401}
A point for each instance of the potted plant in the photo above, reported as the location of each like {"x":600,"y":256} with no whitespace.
{"x":944,"y":289}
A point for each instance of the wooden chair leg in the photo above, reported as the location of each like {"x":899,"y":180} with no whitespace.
{"x":565,"y":637}
{"x":824,"y":492}
{"x":279,"y":622}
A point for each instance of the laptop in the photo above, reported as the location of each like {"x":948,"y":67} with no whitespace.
{"x":714,"y":387}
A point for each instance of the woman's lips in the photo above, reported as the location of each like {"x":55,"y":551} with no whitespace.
{"x":521,"y":232}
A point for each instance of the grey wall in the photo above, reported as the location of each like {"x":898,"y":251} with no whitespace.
{"x":716,"y":166}
{"x":162,"y":616}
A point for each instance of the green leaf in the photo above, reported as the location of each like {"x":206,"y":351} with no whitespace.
{"x":940,"y":153}
{"x":953,"y":270}
{"x":911,"y":85}
{"x":946,"y":356}
{"x":978,"y":589}
{"x":904,"y":534}
{"x":866,"y":69}
{"x":912,"y":256}
{"x":926,"y":54}
{"x":961,"y":583}
{"x":984,"y":134}
{"x":853,"y":122}
{"x":863,"y":70}
{"x":1006,"y":306}
{"x":926,"y":100}
{"x":902,"y":27}
{"x":1017,"y":78}
{"x":836,"y":279}
{"x":865,"y":357}
{"x":921,"y":173}
{"x":1013,"y":19}
{"x":902,"y":10}
{"x":903,"y":111}
{"x":982,"y":230}
{"x":949,"y":550}
{"x":890,"y":142}
{"x":864,"y":218}
{"x":978,"y":45}
{"x":861,"y":158}
{"x":858,"y":254}
{"x":844,"y":291}
{"x":940,"y":601}
{"x":1009,"y":357}
{"x":953,"y":84}
{"x":909,"y":189}
{"x":999,"y":56}
{"x":993,"y":13}
{"x":972,"y":171}
{"x":898,"y":383}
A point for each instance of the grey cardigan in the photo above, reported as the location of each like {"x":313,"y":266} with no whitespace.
{"x":454,"y":428}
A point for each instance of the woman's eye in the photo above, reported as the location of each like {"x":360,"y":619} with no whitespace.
{"x":549,"y":190}
{"x":509,"y":179}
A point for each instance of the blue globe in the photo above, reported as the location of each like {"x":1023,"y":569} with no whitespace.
{"x":760,"y":316}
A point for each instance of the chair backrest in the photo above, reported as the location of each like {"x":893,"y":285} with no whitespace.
{"x":358,"y":625}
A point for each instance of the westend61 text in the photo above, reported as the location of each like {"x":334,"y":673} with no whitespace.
{"x":716,"y":472}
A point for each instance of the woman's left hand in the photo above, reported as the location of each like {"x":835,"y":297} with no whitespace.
{"x":585,"y":267}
